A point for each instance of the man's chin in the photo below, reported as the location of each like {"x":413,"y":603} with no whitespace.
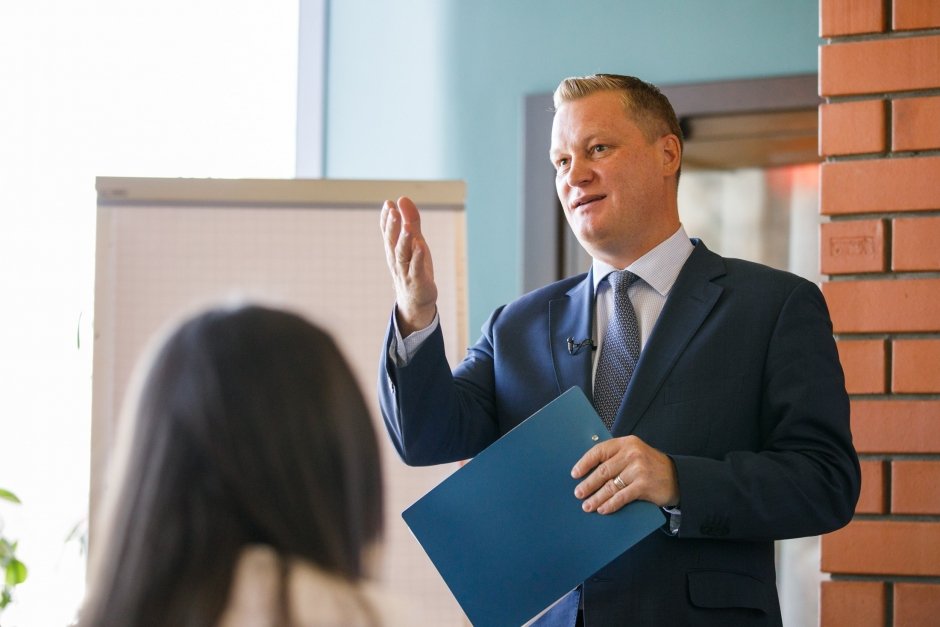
{"x":590,"y":248}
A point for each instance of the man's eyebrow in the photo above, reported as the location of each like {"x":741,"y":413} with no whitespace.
{"x":595,"y":137}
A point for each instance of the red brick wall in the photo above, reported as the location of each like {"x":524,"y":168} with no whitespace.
{"x":879,"y":72}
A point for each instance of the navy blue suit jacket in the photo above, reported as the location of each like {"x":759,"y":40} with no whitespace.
{"x":739,"y":383}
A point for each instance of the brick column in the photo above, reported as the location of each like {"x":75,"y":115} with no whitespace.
{"x":879,"y":72}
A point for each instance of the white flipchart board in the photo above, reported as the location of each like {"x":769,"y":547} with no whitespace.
{"x":169,"y":247}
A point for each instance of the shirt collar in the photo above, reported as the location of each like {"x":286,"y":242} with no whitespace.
{"x":659,"y":267}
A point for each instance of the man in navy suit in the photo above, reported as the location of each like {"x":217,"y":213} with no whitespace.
{"x":735,"y":420}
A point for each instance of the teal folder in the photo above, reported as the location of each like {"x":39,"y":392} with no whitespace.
{"x":506,"y":532}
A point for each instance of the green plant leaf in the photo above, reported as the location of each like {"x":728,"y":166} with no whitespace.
{"x":16,"y":572}
{"x":6,"y":495}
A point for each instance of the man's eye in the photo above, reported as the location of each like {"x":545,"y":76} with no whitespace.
{"x":599,"y":148}
{"x":560,"y":163}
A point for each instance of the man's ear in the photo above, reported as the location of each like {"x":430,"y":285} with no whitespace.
{"x":672,"y":154}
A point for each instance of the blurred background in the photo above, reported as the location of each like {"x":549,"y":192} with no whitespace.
{"x":420,"y":89}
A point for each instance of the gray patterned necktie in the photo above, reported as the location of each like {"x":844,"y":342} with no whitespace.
{"x":620,"y":351}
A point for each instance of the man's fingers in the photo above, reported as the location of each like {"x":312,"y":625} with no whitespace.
{"x":597,"y":454}
{"x":410,"y":238}
{"x":612,"y":494}
{"x":391,"y":228}
{"x":610,"y":497}
{"x":383,"y":215}
{"x":404,"y":247}
{"x":409,"y":215}
{"x":602,"y":474}
{"x":399,"y":240}
{"x":619,"y":498}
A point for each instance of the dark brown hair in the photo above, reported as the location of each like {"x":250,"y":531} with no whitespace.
{"x":250,"y":429}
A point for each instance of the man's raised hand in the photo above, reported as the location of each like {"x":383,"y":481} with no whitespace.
{"x":409,"y":261}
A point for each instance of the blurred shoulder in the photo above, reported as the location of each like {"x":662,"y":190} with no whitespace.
{"x":316,"y":598}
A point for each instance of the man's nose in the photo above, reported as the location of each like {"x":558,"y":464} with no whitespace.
{"x":579,"y":173}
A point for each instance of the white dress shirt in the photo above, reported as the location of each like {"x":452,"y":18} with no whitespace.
{"x":659,"y":269}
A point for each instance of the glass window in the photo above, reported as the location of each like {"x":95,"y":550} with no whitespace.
{"x":105,"y":88}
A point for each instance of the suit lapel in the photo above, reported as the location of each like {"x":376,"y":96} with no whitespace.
{"x":690,"y":300}
{"x":570,"y":316}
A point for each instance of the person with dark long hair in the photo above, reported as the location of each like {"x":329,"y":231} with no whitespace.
{"x":250,"y":491}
